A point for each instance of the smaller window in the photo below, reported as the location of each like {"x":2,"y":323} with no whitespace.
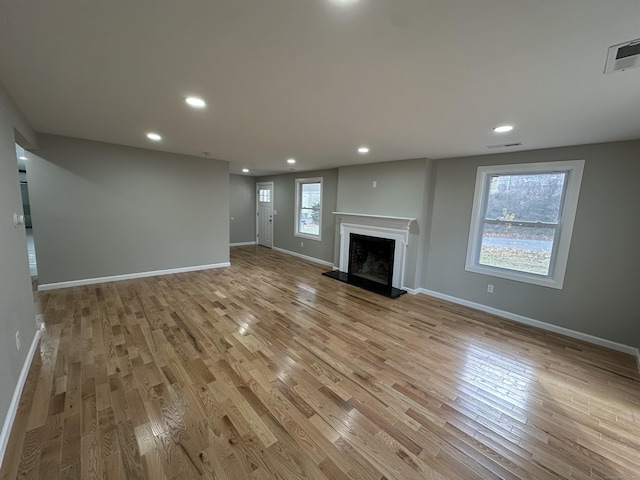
{"x":264,"y":195}
{"x":308,"y":208}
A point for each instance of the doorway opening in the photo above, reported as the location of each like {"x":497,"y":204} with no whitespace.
{"x":22,"y":162}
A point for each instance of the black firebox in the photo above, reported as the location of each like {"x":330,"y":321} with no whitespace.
{"x":371,"y":258}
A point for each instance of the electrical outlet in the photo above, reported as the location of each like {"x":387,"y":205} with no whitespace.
{"x":302,"y":244}
{"x":375,"y":184}
{"x":18,"y":340}
{"x":490,"y":288}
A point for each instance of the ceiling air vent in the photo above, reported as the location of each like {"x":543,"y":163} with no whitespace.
{"x":623,"y":56}
{"x":505,"y":145}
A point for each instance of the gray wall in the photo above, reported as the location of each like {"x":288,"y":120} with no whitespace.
{"x":601,"y":282}
{"x":401,"y":191}
{"x":242,"y":208}
{"x":17,"y":311}
{"x":284,"y":187}
{"x":100,"y":210}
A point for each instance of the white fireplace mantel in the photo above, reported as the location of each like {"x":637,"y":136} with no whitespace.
{"x":394,"y":228}
{"x":376,"y":220}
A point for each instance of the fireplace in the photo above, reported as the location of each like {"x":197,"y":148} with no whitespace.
{"x":371,"y":258}
{"x":385,"y":241}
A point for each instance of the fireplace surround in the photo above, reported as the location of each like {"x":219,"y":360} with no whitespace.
{"x":374,"y":227}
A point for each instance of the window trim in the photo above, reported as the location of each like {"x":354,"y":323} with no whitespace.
{"x":564,"y":230}
{"x":298,"y":206}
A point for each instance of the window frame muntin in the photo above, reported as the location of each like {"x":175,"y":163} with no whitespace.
{"x":564,"y":230}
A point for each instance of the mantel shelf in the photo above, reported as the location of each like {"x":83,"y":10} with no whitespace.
{"x":400,"y":220}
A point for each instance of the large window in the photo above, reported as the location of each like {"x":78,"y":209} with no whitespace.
{"x":309,"y":207}
{"x":522,"y":221}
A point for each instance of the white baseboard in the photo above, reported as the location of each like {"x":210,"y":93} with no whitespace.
{"x":128,"y":276}
{"x":241,"y":244}
{"x":620,"y":347}
{"x":299,"y":255}
{"x":17,"y":393}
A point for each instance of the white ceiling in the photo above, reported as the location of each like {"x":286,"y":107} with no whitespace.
{"x":315,"y":79}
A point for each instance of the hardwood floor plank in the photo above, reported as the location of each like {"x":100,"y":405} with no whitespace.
{"x":71,"y":437}
{"x":267,"y":369}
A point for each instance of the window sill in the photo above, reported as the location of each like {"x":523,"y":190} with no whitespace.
{"x":515,"y":276}
{"x":317,"y":238}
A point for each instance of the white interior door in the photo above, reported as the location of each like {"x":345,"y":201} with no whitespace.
{"x":264,"y":211}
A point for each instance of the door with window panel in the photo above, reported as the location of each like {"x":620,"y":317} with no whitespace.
{"x":264,"y":212}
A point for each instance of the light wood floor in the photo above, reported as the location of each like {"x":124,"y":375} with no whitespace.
{"x":269,"y":370}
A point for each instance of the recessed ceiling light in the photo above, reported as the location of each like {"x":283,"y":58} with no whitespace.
{"x":23,"y":158}
{"x":291,"y":161}
{"x":503,"y":129}
{"x":195,"y":102}
{"x":363,"y":150}
{"x":154,"y":136}
{"x":245,"y":170}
